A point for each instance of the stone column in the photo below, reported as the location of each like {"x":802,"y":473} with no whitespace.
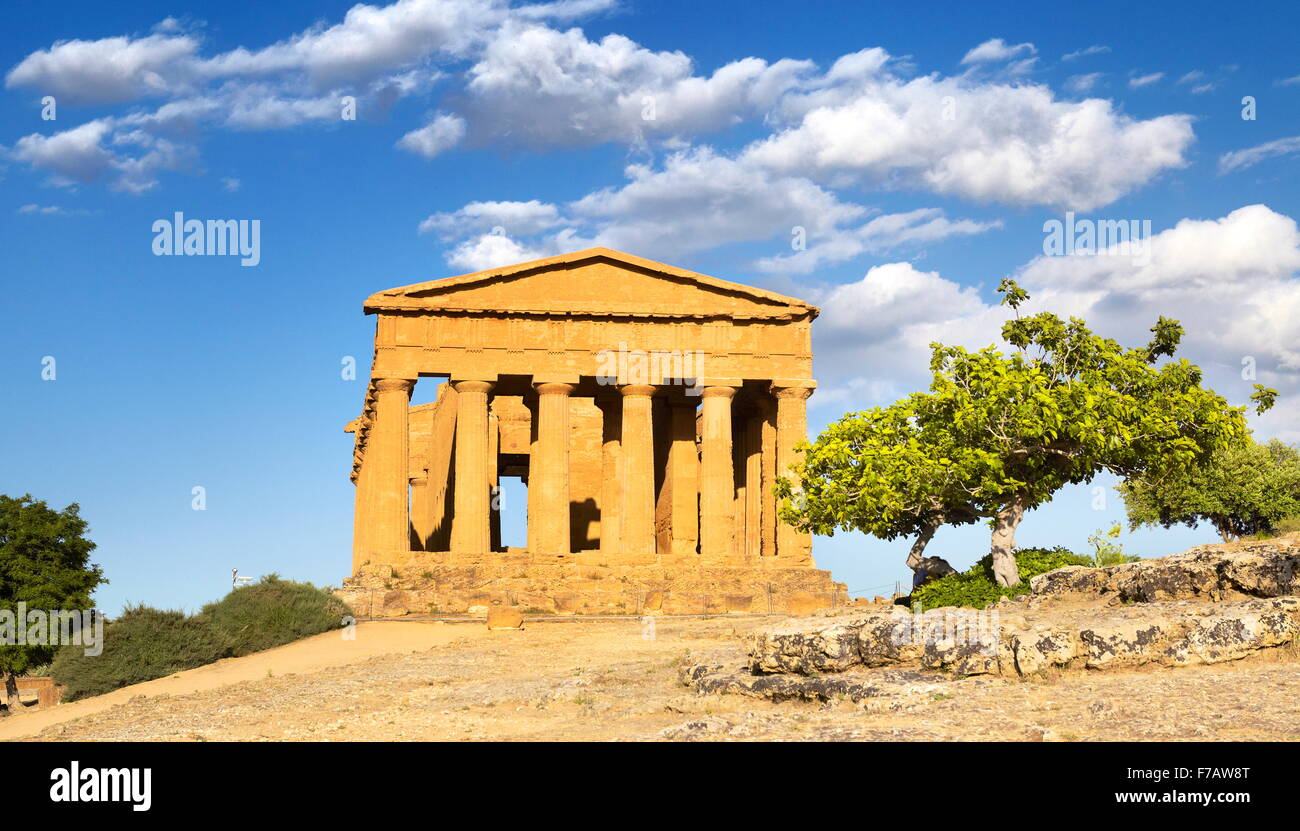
{"x":767,"y":458}
{"x":792,"y":546}
{"x":717,"y":479}
{"x":363,"y":517}
{"x":387,"y":451}
{"x":753,"y":488}
{"x":470,"y":529}
{"x":638,"y":521}
{"x":611,"y":473}
{"x":684,"y":473}
{"x":548,"y":473}
{"x":421,"y":512}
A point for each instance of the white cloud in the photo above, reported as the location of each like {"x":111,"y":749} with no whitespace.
{"x":230,"y":184}
{"x":442,"y":133}
{"x":698,"y":200}
{"x":996,"y":49}
{"x":865,"y":121}
{"x":51,"y":210}
{"x":1083,"y":53}
{"x":541,"y":87}
{"x":1145,"y":80}
{"x":492,"y":251}
{"x":1233,"y":283}
{"x":512,"y":218}
{"x":1015,"y":144}
{"x":97,"y":151}
{"x":1083,"y":83}
{"x":882,"y":233}
{"x":107,"y":71}
{"x":1242,"y":159}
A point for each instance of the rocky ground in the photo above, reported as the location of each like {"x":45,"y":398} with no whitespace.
{"x":603,"y":681}
{"x":1200,"y":646}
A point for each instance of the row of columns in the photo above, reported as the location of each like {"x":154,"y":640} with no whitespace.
{"x":627,"y":450}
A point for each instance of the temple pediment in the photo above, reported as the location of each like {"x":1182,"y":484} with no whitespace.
{"x":596,"y":281}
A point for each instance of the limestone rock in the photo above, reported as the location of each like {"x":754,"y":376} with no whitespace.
{"x":1209,"y":572}
{"x":968,"y":642}
{"x":504,"y":617}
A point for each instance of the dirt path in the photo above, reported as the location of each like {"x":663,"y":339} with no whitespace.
{"x":305,"y":656}
{"x":605,"y":681}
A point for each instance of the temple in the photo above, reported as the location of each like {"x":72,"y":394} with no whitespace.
{"x":647,"y":408}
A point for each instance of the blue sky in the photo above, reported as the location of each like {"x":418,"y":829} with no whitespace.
{"x":176,"y":372}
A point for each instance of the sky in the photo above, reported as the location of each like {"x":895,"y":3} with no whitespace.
{"x":889,"y":163}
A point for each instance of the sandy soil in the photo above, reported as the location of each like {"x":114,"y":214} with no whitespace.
{"x":604,"y":681}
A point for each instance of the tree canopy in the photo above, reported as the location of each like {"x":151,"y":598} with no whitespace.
{"x":45,"y":564}
{"x":998,"y":434}
{"x":1242,"y":490}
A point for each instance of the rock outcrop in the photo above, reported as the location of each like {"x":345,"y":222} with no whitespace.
{"x":1211,"y":604}
{"x":969,"y":642}
{"x":1208,"y":572}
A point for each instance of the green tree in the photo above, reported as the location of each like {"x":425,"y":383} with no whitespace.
{"x":998,"y":434}
{"x":884,"y":473}
{"x":1247,"y":488}
{"x":45,"y":564}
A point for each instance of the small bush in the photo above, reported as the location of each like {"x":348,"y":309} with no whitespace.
{"x":977,"y":588}
{"x":146,"y":643}
{"x":142,"y":644}
{"x":273,"y":612}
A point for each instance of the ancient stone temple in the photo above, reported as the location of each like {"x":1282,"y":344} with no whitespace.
{"x":647,"y":408}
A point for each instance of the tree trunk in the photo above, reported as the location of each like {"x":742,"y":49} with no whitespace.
{"x":11,"y":692}
{"x":1004,"y":541}
{"x":918,"y":548}
{"x":1224,"y":528}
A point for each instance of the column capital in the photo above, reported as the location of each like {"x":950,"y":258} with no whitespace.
{"x":473,"y":386}
{"x":553,"y":387}
{"x":394,"y":384}
{"x":793,"y":389}
{"x":719,"y":392}
{"x":637,"y":390}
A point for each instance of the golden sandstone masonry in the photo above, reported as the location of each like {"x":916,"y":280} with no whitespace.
{"x":649,"y":409}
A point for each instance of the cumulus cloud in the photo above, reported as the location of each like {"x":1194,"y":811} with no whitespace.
{"x":442,"y":133}
{"x":107,"y":71}
{"x":996,"y":49}
{"x":129,"y":160}
{"x":864,"y":121}
{"x":1015,"y":144}
{"x":609,"y":90}
{"x":697,"y":200}
{"x":1233,"y":282}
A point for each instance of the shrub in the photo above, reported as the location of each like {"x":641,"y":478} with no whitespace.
{"x":1107,"y":552}
{"x":146,"y":643}
{"x":142,"y":644}
{"x":273,"y":612}
{"x":976,"y":587}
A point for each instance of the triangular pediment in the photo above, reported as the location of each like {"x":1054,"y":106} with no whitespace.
{"x":596,"y":281}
